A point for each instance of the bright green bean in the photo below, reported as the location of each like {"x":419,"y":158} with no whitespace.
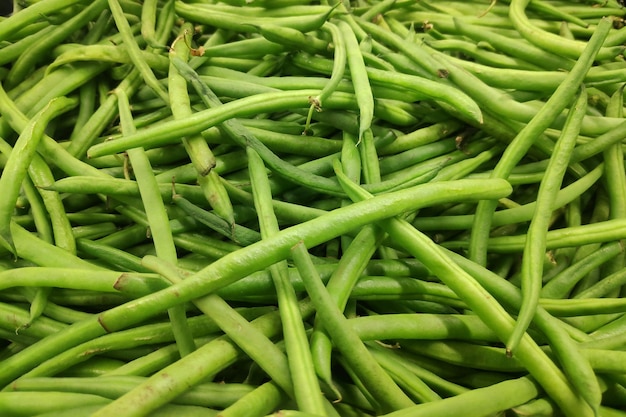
{"x":17,"y":165}
{"x":540,"y":366}
{"x":377,"y":381}
{"x":514,"y":152}
{"x":532,"y":267}
{"x":548,"y":41}
{"x":134,"y":52}
{"x":307,"y":390}
{"x":157,"y":219}
{"x":360,"y":81}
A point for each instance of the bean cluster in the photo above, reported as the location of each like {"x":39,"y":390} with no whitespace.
{"x":312,"y":208}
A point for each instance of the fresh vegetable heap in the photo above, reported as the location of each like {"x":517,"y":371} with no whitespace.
{"x":239,"y":208}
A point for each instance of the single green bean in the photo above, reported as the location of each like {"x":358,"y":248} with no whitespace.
{"x":561,"y":284}
{"x":132,"y":48}
{"x":307,"y":390}
{"x":157,"y":219}
{"x":31,"y":14}
{"x":232,"y":21}
{"x":478,"y":402}
{"x":23,"y":66}
{"x":17,"y":165}
{"x":377,"y":381}
{"x":516,"y":150}
{"x":549,"y":41}
{"x":532,"y":267}
{"x":358,"y":74}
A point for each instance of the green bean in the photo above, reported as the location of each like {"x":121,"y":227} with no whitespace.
{"x":104,"y":53}
{"x":163,"y":133}
{"x":207,"y":394}
{"x":307,"y":390}
{"x":134,"y":52}
{"x":548,"y":41}
{"x":148,"y":22}
{"x":30,"y":403}
{"x":119,"y":187}
{"x":514,"y":152}
{"x":31,"y":14}
{"x":410,"y":383}
{"x":532,"y":268}
{"x":239,"y":234}
{"x":263,"y":400}
{"x":574,"y":236}
{"x":582,"y":307}
{"x":514,"y":47}
{"x":21,"y":156}
{"x":513,"y":215}
{"x":26,"y":62}
{"x":614,"y":162}
{"x":378,"y":383}
{"x":500,"y":321}
{"x":225,"y":20}
{"x":362,"y":89}
{"x":561,"y":284}
{"x":157,"y":219}
{"x":607,"y":285}
{"x":477,"y":402}
{"x":201,"y":155}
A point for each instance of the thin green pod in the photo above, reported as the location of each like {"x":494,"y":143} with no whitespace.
{"x":24,"y":65}
{"x":199,"y":151}
{"x":17,"y":165}
{"x":113,"y":54}
{"x":477,"y":402}
{"x":307,"y":391}
{"x":157,"y":218}
{"x":31,"y":14}
{"x":134,"y":52}
{"x":360,"y":80}
{"x":549,"y":41}
{"x":377,"y":381}
{"x":520,"y":145}
{"x":541,"y":367}
{"x":231,"y":21}
{"x":532,"y":267}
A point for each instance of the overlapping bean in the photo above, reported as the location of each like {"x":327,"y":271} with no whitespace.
{"x":312,"y":208}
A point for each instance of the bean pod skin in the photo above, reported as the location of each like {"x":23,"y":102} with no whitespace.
{"x":312,"y":208}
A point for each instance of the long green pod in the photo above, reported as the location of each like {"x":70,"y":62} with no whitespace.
{"x":31,"y":14}
{"x":525,"y":138}
{"x":549,"y":41}
{"x":532,"y":266}
{"x":615,"y":181}
{"x":17,"y":165}
{"x":360,"y":80}
{"x":132,"y":48}
{"x":307,"y":391}
{"x":492,"y":313}
{"x":113,"y":54}
{"x":252,"y":258}
{"x":25,"y":64}
{"x":158,"y":220}
{"x":377,"y":381}
{"x":199,"y":151}
{"x":232,"y":21}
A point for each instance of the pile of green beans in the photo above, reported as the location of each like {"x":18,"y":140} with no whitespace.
{"x":313,"y":208}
